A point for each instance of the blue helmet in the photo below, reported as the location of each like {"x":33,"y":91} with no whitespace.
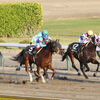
{"x":45,"y":36}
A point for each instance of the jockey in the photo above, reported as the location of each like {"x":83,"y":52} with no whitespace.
{"x":40,"y":39}
{"x":84,"y":38}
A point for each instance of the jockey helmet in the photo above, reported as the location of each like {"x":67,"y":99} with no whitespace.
{"x":45,"y":32}
{"x":90,"y":33}
{"x":45,"y":36}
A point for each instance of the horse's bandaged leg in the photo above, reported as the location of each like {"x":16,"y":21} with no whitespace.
{"x":30,"y":75}
{"x":19,"y":68}
{"x":43,"y":80}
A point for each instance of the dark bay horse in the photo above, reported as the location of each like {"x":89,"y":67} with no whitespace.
{"x":43,"y":58}
{"x":85,"y":56}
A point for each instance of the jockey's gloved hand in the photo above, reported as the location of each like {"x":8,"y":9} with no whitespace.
{"x":30,"y":42}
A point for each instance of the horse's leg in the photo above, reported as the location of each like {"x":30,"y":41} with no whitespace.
{"x":46,"y":74}
{"x":19,"y":68}
{"x":27,"y":69}
{"x":51,"y":67}
{"x":36,"y":74}
{"x":88,"y":69}
{"x":31,"y":70}
{"x":45,"y":71}
{"x":39,"y":74}
{"x":94,"y":61}
{"x":82,"y":69}
{"x":73,"y":64}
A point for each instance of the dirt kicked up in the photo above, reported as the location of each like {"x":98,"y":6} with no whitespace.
{"x":66,"y":85}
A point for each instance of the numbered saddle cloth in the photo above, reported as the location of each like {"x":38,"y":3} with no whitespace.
{"x":76,"y":46}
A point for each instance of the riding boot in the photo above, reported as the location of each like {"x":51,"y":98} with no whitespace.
{"x":34,"y":54}
{"x":34,"y":51}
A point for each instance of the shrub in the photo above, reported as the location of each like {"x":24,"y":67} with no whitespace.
{"x":18,"y":19}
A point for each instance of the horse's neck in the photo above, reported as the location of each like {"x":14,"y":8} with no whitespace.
{"x":49,"y":50}
{"x":46,"y":50}
{"x":91,"y":46}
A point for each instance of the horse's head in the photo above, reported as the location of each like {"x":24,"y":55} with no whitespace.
{"x":96,"y":40}
{"x":55,"y":46}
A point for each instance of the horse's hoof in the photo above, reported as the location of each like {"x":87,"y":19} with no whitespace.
{"x":79,"y":74}
{"x":47,"y":80}
{"x":31,"y":80}
{"x":37,"y":79}
{"x":43,"y":81}
{"x":52,"y":78}
{"x":86,"y":77}
{"x":94,"y":75}
{"x":31,"y":71}
{"x":87,"y":70}
{"x":17,"y":69}
{"x":24,"y":82}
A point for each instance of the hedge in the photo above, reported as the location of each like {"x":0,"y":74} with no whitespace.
{"x":18,"y":19}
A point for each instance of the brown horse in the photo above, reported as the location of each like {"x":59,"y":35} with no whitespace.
{"x":43,"y":58}
{"x":84,"y":56}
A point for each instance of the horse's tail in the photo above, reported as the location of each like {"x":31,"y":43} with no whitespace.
{"x":19,"y":57}
{"x":65,"y":56}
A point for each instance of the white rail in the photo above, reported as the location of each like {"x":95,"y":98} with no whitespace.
{"x":24,"y":45}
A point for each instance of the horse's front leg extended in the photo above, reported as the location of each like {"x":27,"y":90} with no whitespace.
{"x":82,"y":69}
{"x":27,"y":69}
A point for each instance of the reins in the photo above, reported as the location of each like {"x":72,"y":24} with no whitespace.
{"x":39,"y":50}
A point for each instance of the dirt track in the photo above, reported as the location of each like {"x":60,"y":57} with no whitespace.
{"x":67,"y":85}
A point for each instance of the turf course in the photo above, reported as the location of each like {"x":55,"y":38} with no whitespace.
{"x":73,"y":27}
{"x":67,"y":30}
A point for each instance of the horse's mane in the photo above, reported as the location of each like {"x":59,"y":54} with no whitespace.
{"x":52,"y":44}
{"x":92,"y":42}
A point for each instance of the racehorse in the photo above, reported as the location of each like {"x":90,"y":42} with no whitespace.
{"x":84,"y":56}
{"x":42,"y":60}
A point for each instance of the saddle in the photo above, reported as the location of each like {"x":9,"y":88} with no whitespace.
{"x":33,"y":51}
{"x":83,"y":45}
{"x":78,"y":47}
